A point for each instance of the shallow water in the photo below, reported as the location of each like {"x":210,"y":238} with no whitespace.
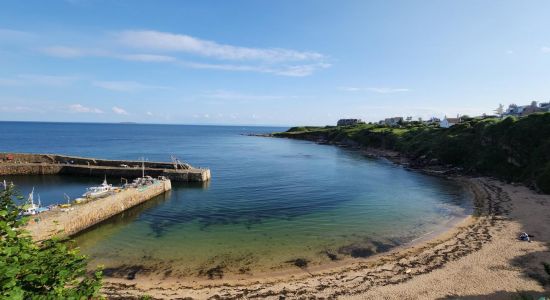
{"x":270,"y":201}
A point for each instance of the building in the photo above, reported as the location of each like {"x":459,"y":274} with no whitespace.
{"x":348,"y":122}
{"x":448,"y":122}
{"x":393,"y":121}
{"x":525,"y":110}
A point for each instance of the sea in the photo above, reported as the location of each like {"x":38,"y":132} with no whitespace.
{"x":272,"y":204}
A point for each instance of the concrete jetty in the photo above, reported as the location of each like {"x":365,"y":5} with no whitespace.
{"x":44,"y":164}
{"x":64,"y":222}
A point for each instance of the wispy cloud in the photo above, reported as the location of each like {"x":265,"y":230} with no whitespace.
{"x":119,"y":111}
{"x":192,"y":52}
{"x":164,"y":41}
{"x":67,"y":52}
{"x":17,"y":108}
{"x":229,"y":95}
{"x":379,"y":90}
{"x":125,"y":86}
{"x":50,"y":80}
{"x":38,"y":79}
{"x":545,"y":49}
{"x":79,"y":108}
{"x":146,"y":57}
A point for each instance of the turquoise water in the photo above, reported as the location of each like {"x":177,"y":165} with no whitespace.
{"x":270,"y":201}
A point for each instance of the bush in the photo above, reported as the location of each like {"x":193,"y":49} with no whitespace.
{"x":50,"y":270}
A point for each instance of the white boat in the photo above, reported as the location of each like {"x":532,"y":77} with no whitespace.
{"x":30,"y":208}
{"x":98,"y":191}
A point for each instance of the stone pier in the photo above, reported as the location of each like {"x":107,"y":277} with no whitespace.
{"x":49,"y":164}
{"x":69,"y":221}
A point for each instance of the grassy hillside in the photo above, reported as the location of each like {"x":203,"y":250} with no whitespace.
{"x":511,"y":149}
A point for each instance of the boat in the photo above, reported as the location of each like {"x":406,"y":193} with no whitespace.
{"x":98,"y":191}
{"x":30,"y":208}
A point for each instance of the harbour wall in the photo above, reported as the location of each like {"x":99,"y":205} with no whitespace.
{"x":62,"y":224}
{"x":49,"y":164}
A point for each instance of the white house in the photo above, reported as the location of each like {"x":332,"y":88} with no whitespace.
{"x":448,"y":122}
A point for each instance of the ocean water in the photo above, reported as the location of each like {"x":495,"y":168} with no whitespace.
{"x":270,"y":201}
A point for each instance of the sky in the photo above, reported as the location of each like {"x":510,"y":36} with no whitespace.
{"x":284,"y":62}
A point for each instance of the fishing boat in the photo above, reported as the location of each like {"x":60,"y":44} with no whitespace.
{"x":98,"y":191}
{"x":30,"y":208}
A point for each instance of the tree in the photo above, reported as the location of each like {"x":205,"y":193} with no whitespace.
{"x":500,"y":110}
{"x":52,"y":269}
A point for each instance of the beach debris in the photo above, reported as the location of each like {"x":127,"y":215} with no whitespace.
{"x":213,"y":273}
{"x":331,"y":255}
{"x":299,"y":262}
{"x":125,"y":271}
{"x":525,"y":237}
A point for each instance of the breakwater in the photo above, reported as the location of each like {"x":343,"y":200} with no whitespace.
{"x":49,"y":164}
{"x":64,"y":222}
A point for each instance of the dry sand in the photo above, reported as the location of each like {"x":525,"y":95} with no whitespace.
{"x":480,"y":258}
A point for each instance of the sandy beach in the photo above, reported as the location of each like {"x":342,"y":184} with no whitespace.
{"x":479,"y":258}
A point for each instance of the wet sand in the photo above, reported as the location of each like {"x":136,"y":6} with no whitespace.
{"x":479,"y":258}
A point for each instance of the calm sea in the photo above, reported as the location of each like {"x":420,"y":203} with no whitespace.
{"x":270,"y":201}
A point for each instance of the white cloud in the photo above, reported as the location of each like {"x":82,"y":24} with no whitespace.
{"x":510,"y":52}
{"x":149,"y":113}
{"x":124,"y":86}
{"x":79,"y":108}
{"x":293,"y":71}
{"x":64,"y":52}
{"x":49,"y":80}
{"x":119,"y":111}
{"x":545,"y":49}
{"x":76,"y":52}
{"x":147,"y":57}
{"x":379,"y":90}
{"x":278,"y":61}
{"x":385,"y":90}
{"x":17,"y":108}
{"x":38,"y":79}
{"x":229,"y":95}
{"x":164,"y":41}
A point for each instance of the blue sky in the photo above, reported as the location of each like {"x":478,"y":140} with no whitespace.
{"x":268,"y":62}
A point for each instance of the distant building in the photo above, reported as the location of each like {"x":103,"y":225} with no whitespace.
{"x":348,"y":122}
{"x":393,"y":121}
{"x":525,"y":110}
{"x":433,"y":120}
{"x":448,"y":122}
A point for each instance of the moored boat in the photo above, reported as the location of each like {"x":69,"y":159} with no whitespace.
{"x":98,"y":191}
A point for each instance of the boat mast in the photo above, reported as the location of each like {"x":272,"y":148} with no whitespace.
{"x":31,"y":196}
{"x":143,"y":167}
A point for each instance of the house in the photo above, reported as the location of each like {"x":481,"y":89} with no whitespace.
{"x":433,"y":120}
{"x":348,"y":122}
{"x":448,"y":122}
{"x":525,"y":110}
{"x":393,"y":121}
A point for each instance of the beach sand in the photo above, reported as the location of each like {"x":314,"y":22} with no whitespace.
{"x":480,"y":258}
